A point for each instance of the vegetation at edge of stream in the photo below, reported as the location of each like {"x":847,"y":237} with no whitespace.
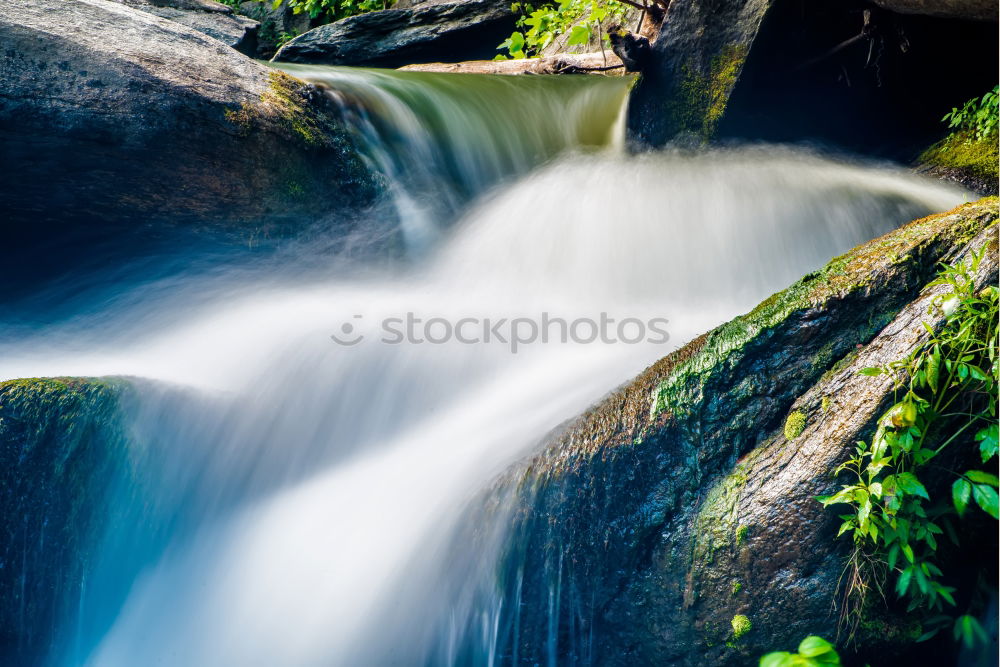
{"x":947,"y":394}
{"x":539,"y":24}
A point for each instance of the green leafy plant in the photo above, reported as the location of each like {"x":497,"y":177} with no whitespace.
{"x":539,"y":25}
{"x":947,"y":394}
{"x":285,"y":37}
{"x":331,"y":10}
{"x":978,"y":116}
{"x":813,"y":652}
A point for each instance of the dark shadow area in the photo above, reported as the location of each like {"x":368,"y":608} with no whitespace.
{"x":53,"y":273}
{"x":882,"y":94}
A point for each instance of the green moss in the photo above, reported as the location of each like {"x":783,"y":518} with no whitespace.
{"x":825,"y":403}
{"x":825,"y":356}
{"x":795,"y":423}
{"x":741,"y":533}
{"x":716,"y":524}
{"x":961,"y":150}
{"x":63,"y":452}
{"x":284,"y":104}
{"x":285,"y":93}
{"x":701,"y":97}
{"x":737,"y":587}
{"x":723,"y":74}
{"x":741,"y":625}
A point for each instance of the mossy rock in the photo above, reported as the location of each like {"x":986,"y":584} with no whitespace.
{"x":965,"y":159}
{"x":697,"y":60}
{"x":62,"y":447}
{"x":157,"y":126}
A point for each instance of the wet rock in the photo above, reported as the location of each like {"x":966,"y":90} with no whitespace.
{"x":61,"y":449}
{"x":429,"y":31}
{"x":685,"y":499}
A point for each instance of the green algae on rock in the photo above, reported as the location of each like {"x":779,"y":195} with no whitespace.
{"x":62,"y":446}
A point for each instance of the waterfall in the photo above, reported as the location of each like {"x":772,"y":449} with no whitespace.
{"x":301,"y":500}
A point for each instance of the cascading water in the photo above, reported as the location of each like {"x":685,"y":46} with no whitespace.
{"x":298,"y":499}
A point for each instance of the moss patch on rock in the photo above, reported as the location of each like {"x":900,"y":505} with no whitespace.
{"x":741,"y":625}
{"x":287,"y":105}
{"x":795,"y":423}
{"x":62,"y":450}
{"x":703,"y":96}
{"x":965,"y":158}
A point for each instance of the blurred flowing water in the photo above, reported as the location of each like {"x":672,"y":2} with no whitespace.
{"x":300,"y":501}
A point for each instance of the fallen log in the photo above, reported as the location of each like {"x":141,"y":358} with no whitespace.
{"x":584,"y":63}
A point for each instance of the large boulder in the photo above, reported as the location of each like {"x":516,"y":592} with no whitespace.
{"x":112,"y":118}
{"x":206,"y":16}
{"x":429,"y":31}
{"x":684,"y":500}
{"x":697,"y":59}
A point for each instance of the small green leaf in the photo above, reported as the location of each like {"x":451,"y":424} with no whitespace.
{"x":961,"y":492}
{"x":580,"y":34}
{"x":871,"y":372}
{"x":813,"y":646}
{"x":903,"y":583}
{"x":986,"y":498}
{"x":778,"y":659}
{"x":988,"y":442}
{"x":909,"y":483}
{"x":980,"y":477}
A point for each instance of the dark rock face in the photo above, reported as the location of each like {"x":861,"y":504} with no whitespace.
{"x":61,"y":450}
{"x":684,"y":499}
{"x":975,"y":10}
{"x":112,"y":118}
{"x":427,"y":32}
{"x":206,"y":16}
{"x":696,"y":61}
{"x":844,"y":73}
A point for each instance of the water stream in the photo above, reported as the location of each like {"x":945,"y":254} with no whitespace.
{"x":299,"y":496}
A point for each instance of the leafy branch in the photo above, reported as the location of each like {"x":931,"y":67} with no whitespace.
{"x":948,"y":390}
{"x":978,"y":116}
{"x":539,"y":25}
